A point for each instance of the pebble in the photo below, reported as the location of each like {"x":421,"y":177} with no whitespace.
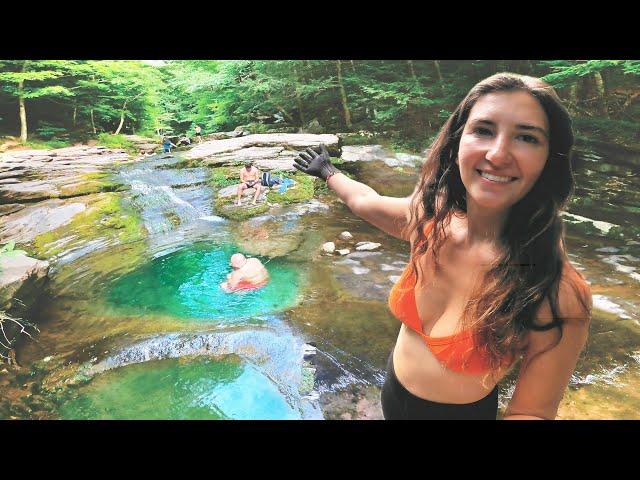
{"x":608,"y":250}
{"x":343,"y":251}
{"x":328,"y":247}
{"x":345,"y":236}
{"x":360,"y":270}
{"x":368,"y":246}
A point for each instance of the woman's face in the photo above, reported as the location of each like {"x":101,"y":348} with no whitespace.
{"x":503,"y":149}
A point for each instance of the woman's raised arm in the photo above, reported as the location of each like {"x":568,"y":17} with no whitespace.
{"x":389,"y":214}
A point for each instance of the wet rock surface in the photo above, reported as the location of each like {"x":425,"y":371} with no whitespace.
{"x":32,"y":175}
{"x":32,"y":220}
{"x":368,"y":153}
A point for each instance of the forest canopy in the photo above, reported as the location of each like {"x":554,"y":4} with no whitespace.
{"x":404,"y":101}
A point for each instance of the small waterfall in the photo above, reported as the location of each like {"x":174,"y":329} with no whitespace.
{"x":169,"y":198}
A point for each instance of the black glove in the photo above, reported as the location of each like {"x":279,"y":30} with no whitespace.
{"x":311,"y":163}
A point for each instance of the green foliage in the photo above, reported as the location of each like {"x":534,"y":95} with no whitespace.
{"x":47,"y":131}
{"x":47,"y":144}
{"x":117,"y":141}
{"x":223,"y":177}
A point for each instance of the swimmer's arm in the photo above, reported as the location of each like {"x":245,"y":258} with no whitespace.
{"x":389,"y":214}
{"x":541,"y":384}
{"x":242,"y":176}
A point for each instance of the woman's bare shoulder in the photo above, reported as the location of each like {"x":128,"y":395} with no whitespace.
{"x":574,"y":294}
{"x":574,"y":301}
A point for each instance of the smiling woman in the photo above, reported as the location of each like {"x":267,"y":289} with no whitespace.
{"x":489,"y":280}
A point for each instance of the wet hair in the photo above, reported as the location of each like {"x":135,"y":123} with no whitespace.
{"x":503,"y":306}
{"x":237,"y":260}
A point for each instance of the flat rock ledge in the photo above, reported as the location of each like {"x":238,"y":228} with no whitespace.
{"x":270,"y":151}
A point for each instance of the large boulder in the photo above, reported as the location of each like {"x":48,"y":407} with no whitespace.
{"x":21,"y":283}
{"x":268,"y":151}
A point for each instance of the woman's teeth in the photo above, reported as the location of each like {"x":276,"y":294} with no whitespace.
{"x":494,"y":178}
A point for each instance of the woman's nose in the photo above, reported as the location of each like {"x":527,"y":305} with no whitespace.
{"x":499,"y":153}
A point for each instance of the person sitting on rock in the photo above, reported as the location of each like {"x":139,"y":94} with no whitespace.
{"x":248,"y":274}
{"x":249,"y":178}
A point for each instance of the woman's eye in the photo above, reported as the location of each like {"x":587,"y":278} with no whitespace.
{"x":529,"y":138}
{"x":482,"y":131}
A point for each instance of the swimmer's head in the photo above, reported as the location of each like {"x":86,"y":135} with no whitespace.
{"x":238,"y":260}
{"x":248,"y":164}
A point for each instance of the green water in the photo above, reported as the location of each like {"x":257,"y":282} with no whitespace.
{"x":186,"y":284}
{"x":179,"y":389}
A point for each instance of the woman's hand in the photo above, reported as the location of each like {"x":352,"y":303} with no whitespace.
{"x":312,"y":163}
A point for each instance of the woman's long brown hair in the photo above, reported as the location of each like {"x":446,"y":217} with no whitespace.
{"x":504,"y":306}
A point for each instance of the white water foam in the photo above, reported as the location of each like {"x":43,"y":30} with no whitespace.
{"x":604,"y":303}
{"x":604,"y":227}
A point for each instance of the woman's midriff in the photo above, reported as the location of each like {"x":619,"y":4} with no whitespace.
{"x":420,"y":372}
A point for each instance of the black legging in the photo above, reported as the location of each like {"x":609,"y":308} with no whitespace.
{"x":398,"y":403}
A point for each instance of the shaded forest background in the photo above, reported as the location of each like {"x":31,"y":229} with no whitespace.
{"x":54,"y":103}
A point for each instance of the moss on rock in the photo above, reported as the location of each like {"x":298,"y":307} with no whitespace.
{"x":225,"y":207}
{"x":221,"y":177}
{"x":104,"y":217}
{"x":303,"y":190}
{"x":91,"y":183}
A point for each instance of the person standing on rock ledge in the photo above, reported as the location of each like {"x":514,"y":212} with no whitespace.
{"x":489,"y":281}
{"x":166,"y":145}
{"x":249,"y":178}
{"x":198,"y":133}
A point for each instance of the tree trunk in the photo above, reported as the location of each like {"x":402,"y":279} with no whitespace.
{"x":298,"y":99}
{"x":343,"y":96}
{"x":93,"y":125}
{"x":75,"y":114}
{"x":573,"y":95}
{"x":602,"y":94}
{"x":124,"y":107}
{"x":436,"y":63}
{"x":353,"y":66}
{"x":23,"y":111}
{"x":412,"y":70}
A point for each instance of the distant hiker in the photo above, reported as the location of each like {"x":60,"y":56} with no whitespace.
{"x":198,"y":134}
{"x":166,"y":145}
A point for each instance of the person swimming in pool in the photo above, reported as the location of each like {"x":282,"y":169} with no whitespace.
{"x":247,"y":274}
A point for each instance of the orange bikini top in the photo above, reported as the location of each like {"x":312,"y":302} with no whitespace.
{"x":458,"y":352}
